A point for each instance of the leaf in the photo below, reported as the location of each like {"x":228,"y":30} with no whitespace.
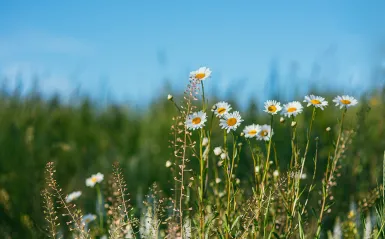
{"x":314,"y":212}
{"x":235,"y":222}
{"x":301,"y":233}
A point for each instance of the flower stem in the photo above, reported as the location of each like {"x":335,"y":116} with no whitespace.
{"x":329,"y":175}
{"x":100,"y":206}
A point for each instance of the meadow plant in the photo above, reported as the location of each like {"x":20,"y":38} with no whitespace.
{"x":207,"y":142}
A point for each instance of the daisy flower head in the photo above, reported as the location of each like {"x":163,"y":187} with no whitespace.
{"x":88,"y":218}
{"x":201,"y":74}
{"x":265,"y":133}
{"x":221,"y":108}
{"x":251,"y":131}
{"x":73,"y":196}
{"x":292,"y":108}
{"x":231,"y":121}
{"x":272,"y":107}
{"x":345,"y":101}
{"x":196,"y":120}
{"x":316,"y":101}
{"x":94,"y":179}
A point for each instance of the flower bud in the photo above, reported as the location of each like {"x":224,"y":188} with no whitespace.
{"x":223,"y":156}
{"x":237,"y":181}
{"x":256,"y":169}
{"x":205,"y":141}
{"x":170,"y":97}
{"x":217,"y":151}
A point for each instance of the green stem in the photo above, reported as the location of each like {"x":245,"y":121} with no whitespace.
{"x":254,"y":161}
{"x":329,"y":175}
{"x":309,"y":132}
{"x":265,"y":170}
{"x":203,"y":97}
{"x":100,"y":206}
{"x":201,"y":164}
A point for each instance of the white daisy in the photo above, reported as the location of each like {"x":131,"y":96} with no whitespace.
{"x":231,"y":121}
{"x":94,"y":179}
{"x":73,"y":196}
{"x":221,"y":108}
{"x":251,"y":131}
{"x":88,"y":218}
{"x":265,"y":133}
{"x":196,"y":120}
{"x":275,"y":173}
{"x":292,"y":109}
{"x":345,"y":101}
{"x":316,"y":101}
{"x":201,"y":74}
{"x":272,"y":107}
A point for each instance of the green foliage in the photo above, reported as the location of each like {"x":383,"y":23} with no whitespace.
{"x":84,"y":138}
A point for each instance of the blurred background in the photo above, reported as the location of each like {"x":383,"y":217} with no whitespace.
{"x":84,"y":84}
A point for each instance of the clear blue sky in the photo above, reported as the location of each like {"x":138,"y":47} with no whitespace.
{"x":129,"y":48}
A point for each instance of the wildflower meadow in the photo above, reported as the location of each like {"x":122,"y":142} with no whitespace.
{"x":195,"y":167}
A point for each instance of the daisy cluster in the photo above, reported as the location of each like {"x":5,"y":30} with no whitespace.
{"x":227,"y":120}
{"x":232,"y":120}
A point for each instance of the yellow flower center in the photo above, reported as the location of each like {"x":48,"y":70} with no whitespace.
{"x":252,"y":132}
{"x":272,"y":108}
{"x":231,"y":121}
{"x":196,"y":120}
{"x":221,"y":110}
{"x":346,"y":102}
{"x":264,"y":133}
{"x":94,"y":179}
{"x":315,"y":102}
{"x":292,"y":109}
{"x":200,"y":76}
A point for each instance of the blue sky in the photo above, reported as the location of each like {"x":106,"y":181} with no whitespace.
{"x":130,"y":48}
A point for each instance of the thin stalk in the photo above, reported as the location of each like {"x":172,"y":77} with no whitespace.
{"x":292,"y":189}
{"x":267,"y":158}
{"x":329,"y":176}
{"x":203,"y":97}
{"x":100,"y":206}
{"x":309,"y":133}
{"x":184,"y":153}
{"x":254,"y":162}
{"x":311,"y":187}
{"x":201,"y":206}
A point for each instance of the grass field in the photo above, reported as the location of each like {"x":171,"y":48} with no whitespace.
{"x":193,"y":166}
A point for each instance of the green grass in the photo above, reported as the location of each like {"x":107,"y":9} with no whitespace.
{"x":84,"y":139}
